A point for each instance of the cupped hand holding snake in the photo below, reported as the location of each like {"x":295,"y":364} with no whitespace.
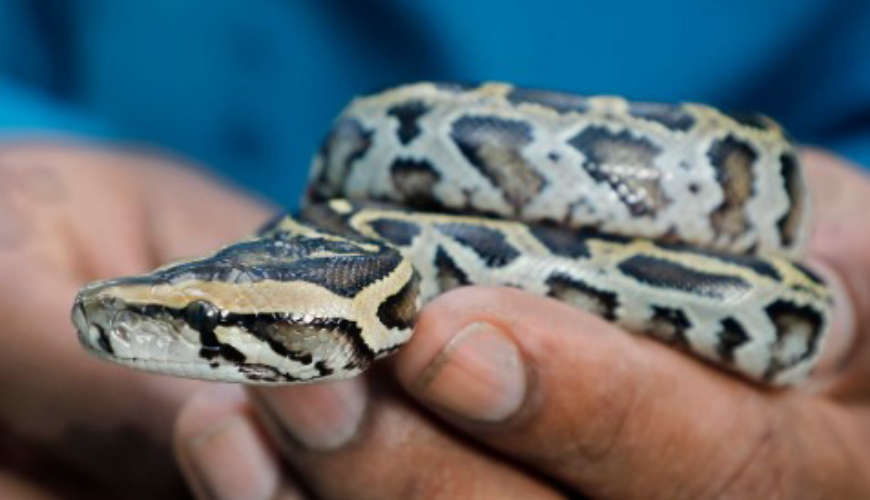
{"x":503,"y":394}
{"x":510,"y":394}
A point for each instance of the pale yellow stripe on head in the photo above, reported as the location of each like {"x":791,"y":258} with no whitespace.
{"x":241,"y":298}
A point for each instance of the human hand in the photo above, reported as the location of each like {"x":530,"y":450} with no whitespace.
{"x":68,"y":215}
{"x":505,"y":395}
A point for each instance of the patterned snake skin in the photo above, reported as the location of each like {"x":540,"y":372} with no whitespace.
{"x":676,"y":221}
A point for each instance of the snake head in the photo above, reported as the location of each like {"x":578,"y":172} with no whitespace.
{"x":289,"y":306}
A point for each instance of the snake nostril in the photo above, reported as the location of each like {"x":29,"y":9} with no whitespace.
{"x":79,"y":317}
{"x":90,"y":334}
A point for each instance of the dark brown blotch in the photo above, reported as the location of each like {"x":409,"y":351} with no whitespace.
{"x":791,"y":222}
{"x":663,"y":273}
{"x":792,"y":320}
{"x":731,"y":336}
{"x":582,"y":295}
{"x":415,"y":181}
{"x":408,"y":114}
{"x":733,"y":161}
{"x":672,"y":116}
{"x":626,"y":164}
{"x":563,"y":242}
{"x":400,"y":309}
{"x":346,"y":143}
{"x":669,"y":325}
{"x":396,"y":231}
{"x":447,"y":273}
{"x":489,"y":244}
{"x":493,"y":146}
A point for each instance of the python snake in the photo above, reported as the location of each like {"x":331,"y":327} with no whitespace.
{"x":677,"y":221}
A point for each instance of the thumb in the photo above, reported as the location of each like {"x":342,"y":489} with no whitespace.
{"x":841,"y":246}
{"x":615,"y":415}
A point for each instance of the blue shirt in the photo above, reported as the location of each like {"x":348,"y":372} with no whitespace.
{"x":249,"y":88}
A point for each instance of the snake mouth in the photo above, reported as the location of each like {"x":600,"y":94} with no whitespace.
{"x":128,"y":333}
{"x":138,"y":337}
{"x":199,"y":340}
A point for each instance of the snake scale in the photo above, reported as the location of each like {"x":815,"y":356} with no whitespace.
{"x":677,"y":221}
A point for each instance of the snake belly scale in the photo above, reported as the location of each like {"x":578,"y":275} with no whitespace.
{"x":677,"y":221}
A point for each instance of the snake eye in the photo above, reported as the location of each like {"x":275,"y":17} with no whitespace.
{"x":201,"y":315}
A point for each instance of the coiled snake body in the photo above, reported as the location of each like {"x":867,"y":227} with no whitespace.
{"x":677,"y":221}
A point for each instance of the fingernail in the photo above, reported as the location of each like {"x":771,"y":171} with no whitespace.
{"x":318,"y":416}
{"x":479,"y":375}
{"x":227,"y":460}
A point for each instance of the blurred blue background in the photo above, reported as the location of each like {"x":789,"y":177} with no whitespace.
{"x":249,"y":88}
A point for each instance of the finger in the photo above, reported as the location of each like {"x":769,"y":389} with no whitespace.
{"x":132,"y":212}
{"x":839,"y":245}
{"x":42,"y":248}
{"x":70,"y":215}
{"x":611,"y":414}
{"x":349,"y":441}
{"x":40,"y":245}
{"x":54,"y":201}
{"x":222,"y":452}
{"x":12,"y":486}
